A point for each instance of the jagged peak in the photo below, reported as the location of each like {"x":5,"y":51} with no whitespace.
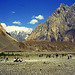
{"x":62,"y":8}
{"x":63,"y":5}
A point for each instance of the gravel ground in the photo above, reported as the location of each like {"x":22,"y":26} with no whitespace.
{"x":40,"y":66}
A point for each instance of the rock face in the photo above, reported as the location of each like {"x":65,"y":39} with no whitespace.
{"x":58,"y":27}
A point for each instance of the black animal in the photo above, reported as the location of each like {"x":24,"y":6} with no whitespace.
{"x":56,"y":55}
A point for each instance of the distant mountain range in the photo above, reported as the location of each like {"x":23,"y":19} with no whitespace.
{"x":60,"y":26}
{"x":19,"y":35}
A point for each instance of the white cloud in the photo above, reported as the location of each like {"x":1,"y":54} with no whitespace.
{"x":33,"y":21}
{"x":13,"y":12}
{"x":16,"y":28}
{"x":17,"y":22}
{"x":40,"y":17}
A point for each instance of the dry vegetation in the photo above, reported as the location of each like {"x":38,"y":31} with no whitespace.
{"x":49,"y":46}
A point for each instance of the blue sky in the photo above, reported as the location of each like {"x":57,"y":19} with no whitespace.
{"x":28,"y":13}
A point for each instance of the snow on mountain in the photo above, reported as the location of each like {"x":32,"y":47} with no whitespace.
{"x":19,"y":33}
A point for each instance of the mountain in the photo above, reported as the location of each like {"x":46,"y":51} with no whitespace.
{"x":7,"y":43}
{"x":58,"y":27}
{"x":19,"y":35}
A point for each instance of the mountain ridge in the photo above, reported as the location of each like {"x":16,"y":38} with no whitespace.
{"x":56,"y":25}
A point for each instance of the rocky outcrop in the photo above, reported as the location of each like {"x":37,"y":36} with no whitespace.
{"x":57,"y":25}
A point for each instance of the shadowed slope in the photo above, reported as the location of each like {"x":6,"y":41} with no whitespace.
{"x":7,"y":43}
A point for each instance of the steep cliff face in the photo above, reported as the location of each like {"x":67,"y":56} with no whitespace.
{"x":56,"y":26}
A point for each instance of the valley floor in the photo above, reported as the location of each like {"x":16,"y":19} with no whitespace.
{"x":34,"y":65}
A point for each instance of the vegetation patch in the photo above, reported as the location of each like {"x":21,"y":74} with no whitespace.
{"x":3,"y":54}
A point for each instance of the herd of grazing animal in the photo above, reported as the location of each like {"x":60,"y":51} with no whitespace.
{"x":69,"y":56}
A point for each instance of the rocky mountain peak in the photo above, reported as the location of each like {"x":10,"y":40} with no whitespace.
{"x":62,"y":9}
{"x":63,"y":5}
{"x":61,"y":21}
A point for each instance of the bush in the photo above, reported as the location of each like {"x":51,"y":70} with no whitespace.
{"x":2,"y":54}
